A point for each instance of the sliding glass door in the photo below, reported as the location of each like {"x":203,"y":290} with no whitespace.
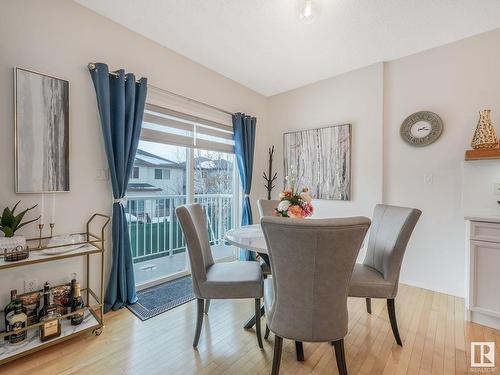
{"x":167,"y":175}
{"x":157,"y":186}
{"x":215,"y":189}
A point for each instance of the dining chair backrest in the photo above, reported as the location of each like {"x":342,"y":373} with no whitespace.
{"x":312,"y":262}
{"x":391,"y":229}
{"x":267,"y":207}
{"x":194,"y":227}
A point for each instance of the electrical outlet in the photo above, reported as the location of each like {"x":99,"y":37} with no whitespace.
{"x":30,"y":285}
{"x":496,"y":188}
{"x":429,"y":179}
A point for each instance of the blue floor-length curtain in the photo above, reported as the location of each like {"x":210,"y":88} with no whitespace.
{"x":244,"y":144}
{"x":120,"y":100}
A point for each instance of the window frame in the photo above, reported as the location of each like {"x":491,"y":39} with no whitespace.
{"x":134,"y":169}
{"x":173,"y":141}
{"x":161,"y":174}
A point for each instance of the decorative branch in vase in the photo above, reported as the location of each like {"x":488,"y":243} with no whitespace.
{"x":270,"y":180}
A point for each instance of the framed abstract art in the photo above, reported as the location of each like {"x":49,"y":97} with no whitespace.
{"x":320,"y":159}
{"x":41,"y":132}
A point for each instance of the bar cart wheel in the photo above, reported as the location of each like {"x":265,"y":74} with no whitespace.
{"x":97,"y":331}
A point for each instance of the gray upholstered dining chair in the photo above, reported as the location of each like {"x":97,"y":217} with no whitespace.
{"x":312,"y":263}
{"x":267,"y":206}
{"x":231,"y":280}
{"x":378,"y":275}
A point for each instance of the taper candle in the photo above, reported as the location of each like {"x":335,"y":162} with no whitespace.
{"x":53,"y":211}
{"x":42,"y":208}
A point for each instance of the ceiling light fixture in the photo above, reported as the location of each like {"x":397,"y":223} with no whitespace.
{"x":307,"y":10}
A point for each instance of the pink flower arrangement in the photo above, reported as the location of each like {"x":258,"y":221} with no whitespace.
{"x":294,"y":204}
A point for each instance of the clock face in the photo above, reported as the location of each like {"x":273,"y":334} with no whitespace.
{"x":421,"y":128}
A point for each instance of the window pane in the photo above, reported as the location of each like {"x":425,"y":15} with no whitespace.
{"x":214,"y":190}
{"x":135,"y":172}
{"x":158,"y":246}
{"x":213,"y":172}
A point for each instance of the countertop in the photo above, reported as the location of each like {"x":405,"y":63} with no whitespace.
{"x":484,"y":217}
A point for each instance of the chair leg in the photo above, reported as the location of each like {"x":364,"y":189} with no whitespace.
{"x":199,"y":321}
{"x":340,"y":355}
{"x":268,"y":331}
{"x":299,"y":351}
{"x":369,"y":305}
{"x":207,"y":306}
{"x":257,"y":322}
{"x":278,"y":346}
{"x":391,"y":308}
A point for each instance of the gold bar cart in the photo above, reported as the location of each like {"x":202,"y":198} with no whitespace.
{"x":93,"y":313}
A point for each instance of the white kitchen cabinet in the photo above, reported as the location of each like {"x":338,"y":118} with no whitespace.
{"x":483,"y":271}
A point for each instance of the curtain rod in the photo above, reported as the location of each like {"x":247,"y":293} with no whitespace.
{"x":92,"y":66}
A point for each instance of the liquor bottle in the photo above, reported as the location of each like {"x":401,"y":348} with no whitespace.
{"x":46,"y":300}
{"x":18,"y":320}
{"x":76,"y":302}
{"x":49,"y":314}
{"x":9,"y":310}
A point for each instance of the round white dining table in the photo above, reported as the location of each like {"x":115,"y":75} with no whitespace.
{"x":252,"y":238}
{"x":248,"y":237}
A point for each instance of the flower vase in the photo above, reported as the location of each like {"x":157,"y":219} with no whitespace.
{"x":484,"y":136}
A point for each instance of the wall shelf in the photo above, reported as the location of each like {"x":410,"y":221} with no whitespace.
{"x":482,"y":154}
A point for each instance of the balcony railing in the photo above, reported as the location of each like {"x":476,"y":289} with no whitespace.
{"x":155,"y":231}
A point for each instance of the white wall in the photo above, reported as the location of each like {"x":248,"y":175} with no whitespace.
{"x":59,"y":38}
{"x":454,"y":81}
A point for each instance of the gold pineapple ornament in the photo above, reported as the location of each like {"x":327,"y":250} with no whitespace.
{"x":484,"y":136}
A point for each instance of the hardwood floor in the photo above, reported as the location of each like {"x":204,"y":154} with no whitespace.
{"x":436,"y":340}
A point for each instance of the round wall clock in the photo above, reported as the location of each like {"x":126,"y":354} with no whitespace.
{"x":421,"y":128}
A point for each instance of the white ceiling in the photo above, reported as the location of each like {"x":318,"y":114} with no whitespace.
{"x":263,"y":45}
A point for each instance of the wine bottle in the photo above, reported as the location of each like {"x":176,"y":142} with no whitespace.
{"x":17,"y":321}
{"x":46,"y":300}
{"x":76,"y":302}
{"x":49,"y":314}
{"x":10,"y":310}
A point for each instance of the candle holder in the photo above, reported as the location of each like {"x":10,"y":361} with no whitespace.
{"x":52,"y":225}
{"x":40,"y":228}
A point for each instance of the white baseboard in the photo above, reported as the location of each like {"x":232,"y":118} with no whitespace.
{"x":485,"y":320}
{"x":433,"y":288}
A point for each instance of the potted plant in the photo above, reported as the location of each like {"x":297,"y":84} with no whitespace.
{"x":9,"y":224}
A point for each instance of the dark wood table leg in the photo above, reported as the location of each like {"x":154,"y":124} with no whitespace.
{"x":251,"y":322}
